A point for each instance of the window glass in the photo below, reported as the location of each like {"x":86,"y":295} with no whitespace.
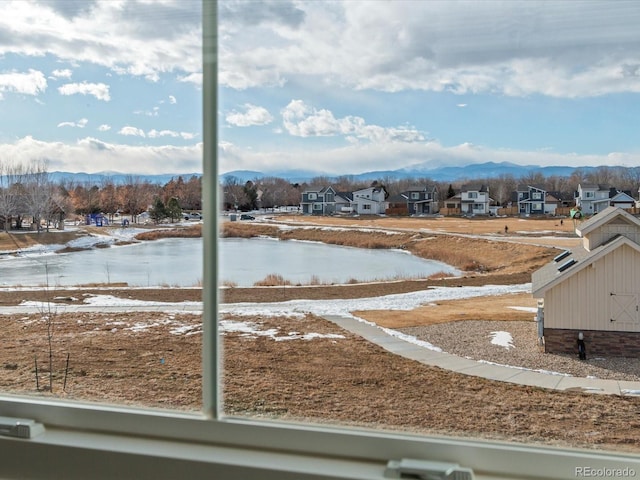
{"x":101,"y":201}
{"x":345,"y":94}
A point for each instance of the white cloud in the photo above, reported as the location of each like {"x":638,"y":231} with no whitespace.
{"x":98,"y":90}
{"x":172,"y":100}
{"x":31,"y":83}
{"x":104,"y":127}
{"x":79,"y":124}
{"x":302,"y":120}
{"x":154,"y":112}
{"x":91,"y":155}
{"x":65,"y":73}
{"x":132,"y":131}
{"x":170,"y":133}
{"x":252,"y":115}
{"x":115,"y":34}
{"x":559,"y":49}
{"x":366,"y":157}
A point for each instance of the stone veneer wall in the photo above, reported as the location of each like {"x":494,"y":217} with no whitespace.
{"x":598,"y":342}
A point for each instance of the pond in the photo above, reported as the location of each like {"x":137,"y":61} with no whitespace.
{"x":178,"y":262}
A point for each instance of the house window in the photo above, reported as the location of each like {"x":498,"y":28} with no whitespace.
{"x":312,"y":196}
{"x":536,"y":195}
{"x":536,"y":206}
{"x":366,"y":207}
{"x":472,"y":194}
{"x":415,"y":195}
{"x":317,"y":206}
{"x":589,"y":194}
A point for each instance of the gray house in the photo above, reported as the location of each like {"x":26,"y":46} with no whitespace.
{"x":417,"y":201}
{"x":530,"y":199}
{"x":318,"y":201}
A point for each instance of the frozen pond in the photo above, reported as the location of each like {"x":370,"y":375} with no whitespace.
{"x":246,"y":261}
{"x":178,"y":262}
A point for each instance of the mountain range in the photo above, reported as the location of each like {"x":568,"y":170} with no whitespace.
{"x":471,"y":172}
{"x":476,"y":171}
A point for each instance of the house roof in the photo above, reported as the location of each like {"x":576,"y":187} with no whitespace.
{"x":605,"y":216}
{"x":623,"y":197}
{"x":593,"y":186}
{"x":524,"y":187}
{"x":474,"y":188}
{"x":575,"y":260}
{"x":399,"y":198}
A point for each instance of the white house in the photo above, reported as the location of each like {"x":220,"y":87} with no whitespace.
{"x":474,"y":199}
{"x":592,"y":198}
{"x":372,"y":200}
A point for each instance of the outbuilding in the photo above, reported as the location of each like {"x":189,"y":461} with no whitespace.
{"x":594,"y":288}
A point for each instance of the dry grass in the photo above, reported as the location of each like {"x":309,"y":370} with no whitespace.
{"x":272,"y":280}
{"x":473,"y":226}
{"x":247,"y":230}
{"x":193,"y":231}
{"x":495,"y":308}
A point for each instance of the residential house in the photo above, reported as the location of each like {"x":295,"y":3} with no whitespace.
{"x":318,"y":201}
{"x":474,"y":199}
{"x":415,"y":201}
{"x":372,"y":200}
{"x":592,"y":198}
{"x":594,"y":289}
{"x":622,"y":199}
{"x":530,"y":199}
{"x":343,"y":202}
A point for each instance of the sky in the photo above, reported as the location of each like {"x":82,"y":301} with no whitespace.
{"x":102,"y":86}
{"x":333,"y":87}
{"x":354,"y":86}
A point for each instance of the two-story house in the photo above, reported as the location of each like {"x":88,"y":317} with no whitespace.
{"x":530,"y":199}
{"x":416,"y":201}
{"x":592,"y":198}
{"x":318,"y":201}
{"x":474,"y":199}
{"x":372,"y":200}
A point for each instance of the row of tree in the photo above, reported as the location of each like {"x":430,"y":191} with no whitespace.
{"x":271,"y":192}
{"x":26,"y":192}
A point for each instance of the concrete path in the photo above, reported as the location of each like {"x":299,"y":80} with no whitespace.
{"x":479,"y":369}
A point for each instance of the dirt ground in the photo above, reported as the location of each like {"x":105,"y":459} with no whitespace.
{"x":153,"y":359}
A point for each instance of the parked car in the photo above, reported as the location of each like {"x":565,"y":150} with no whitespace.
{"x":245,"y":216}
{"x":192,"y":216}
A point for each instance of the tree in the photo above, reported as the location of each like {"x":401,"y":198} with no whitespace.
{"x":451,"y":192}
{"x":10,"y":175}
{"x":173,"y":210}
{"x":158,"y":211}
{"x":37,"y":191}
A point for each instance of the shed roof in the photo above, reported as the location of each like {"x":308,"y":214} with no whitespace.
{"x":605,"y":216}
{"x":551,"y":274}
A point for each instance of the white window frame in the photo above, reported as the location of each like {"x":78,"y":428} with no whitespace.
{"x":312,"y":196}
{"x":415,"y":195}
{"x":84,"y":440}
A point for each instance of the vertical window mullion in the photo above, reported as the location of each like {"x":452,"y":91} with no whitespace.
{"x":211,"y":380}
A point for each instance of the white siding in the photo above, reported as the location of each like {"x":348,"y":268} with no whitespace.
{"x":608,"y":231}
{"x":584,"y":300}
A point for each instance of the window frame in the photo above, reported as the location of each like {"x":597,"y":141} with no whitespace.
{"x":89,"y":439}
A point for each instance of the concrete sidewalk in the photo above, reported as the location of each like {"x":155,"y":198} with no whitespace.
{"x":501,"y":373}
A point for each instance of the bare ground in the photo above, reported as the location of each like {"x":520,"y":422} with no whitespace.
{"x":153,"y":359}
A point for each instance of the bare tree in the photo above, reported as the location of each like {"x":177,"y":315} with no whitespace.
{"x":37,"y":190}
{"x":10,"y":177}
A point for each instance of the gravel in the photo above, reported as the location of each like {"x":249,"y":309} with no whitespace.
{"x":473,"y":339}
